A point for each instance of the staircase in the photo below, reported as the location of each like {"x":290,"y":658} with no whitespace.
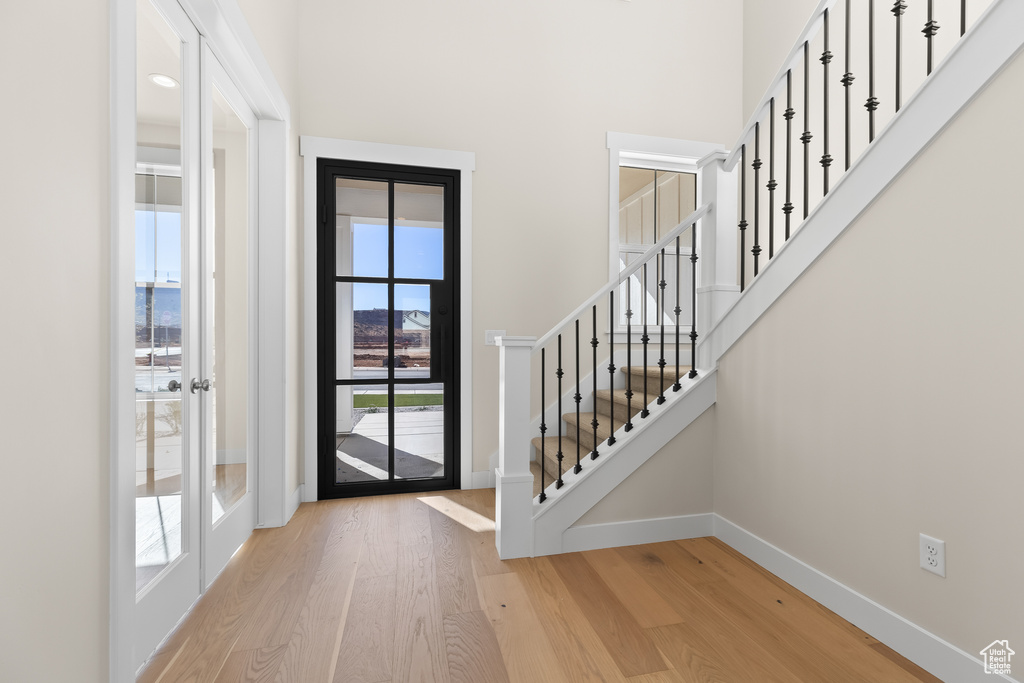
{"x":613,"y":407}
{"x":765,"y":216}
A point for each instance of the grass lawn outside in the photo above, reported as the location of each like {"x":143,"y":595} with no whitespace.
{"x":401,"y":400}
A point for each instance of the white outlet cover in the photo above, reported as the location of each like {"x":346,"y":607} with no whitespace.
{"x":933,"y":555}
{"x":489,"y":336}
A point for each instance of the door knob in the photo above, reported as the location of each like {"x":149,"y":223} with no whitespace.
{"x":197,"y":385}
{"x":174,"y":385}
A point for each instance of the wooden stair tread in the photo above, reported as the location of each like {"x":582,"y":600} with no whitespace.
{"x":604,"y":424}
{"x":638,"y":396}
{"x":653,"y":370}
{"x":551,"y":454}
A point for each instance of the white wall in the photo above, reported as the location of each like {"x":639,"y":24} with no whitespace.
{"x":531,"y":87}
{"x":54,"y":265}
{"x":676,"y":481}
{"x":881,"y":396}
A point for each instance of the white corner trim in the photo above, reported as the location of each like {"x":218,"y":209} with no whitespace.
{"x":482,"y":480}
{"x":311,"y":148}
{"x":925,"y":649}
{"x":294,"y":499}
{"x":634,"y":532}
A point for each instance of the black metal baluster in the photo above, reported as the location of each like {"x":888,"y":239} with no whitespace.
{"x":558,"y":415}
{"x":787,"y":207}
{"x":771,"y":180}
{"x":543,"y":426}
{"x":593,"y":343}
{"x":806,"y":137}
{"x":629,"y":354}
{"x":693,"y":301}
{"x":661,"y":318}
{"x":611,"y":369}
{"x":678,"y":309}
{"x":872,"y":103}
{"x":826,"y":158}
{"x":742,"y":224}
{"x":756,"y":165}
{"x":963,"y":17}
{"x":898,"y":8}
{"x":578,"y":397}
{"x":931,"y":27}
{"x":644,"y":339}
{"x":847,"y":81}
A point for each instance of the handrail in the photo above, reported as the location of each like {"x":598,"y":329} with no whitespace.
{"x":795,"y":55}
{"x":632,"y":268}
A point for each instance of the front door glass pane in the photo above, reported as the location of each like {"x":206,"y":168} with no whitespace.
{"x":362,"y":330}
{"x":159,"y":323}
{"x":362,"y":440}
{"x":419,"y":231}
{"x":229,"y":256}
{"x":412,"y":331}
{"x":362,"y":227}
{"x":419,"y":431}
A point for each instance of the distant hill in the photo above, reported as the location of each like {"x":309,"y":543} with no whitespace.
{"x":167,"y":306}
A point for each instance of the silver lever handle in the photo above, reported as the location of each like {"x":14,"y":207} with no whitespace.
{"x":197,"y":385}
{"x":174,"y":385}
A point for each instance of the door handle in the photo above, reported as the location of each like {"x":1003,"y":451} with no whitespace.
{"x":197,"y":385}
{"x":174,"y":385}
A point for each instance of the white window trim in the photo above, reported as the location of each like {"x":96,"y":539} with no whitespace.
{"x":313,"y":148}
{"x":645,"y":151}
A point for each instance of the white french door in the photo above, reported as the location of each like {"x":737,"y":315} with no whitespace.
{"x":194,"y":328}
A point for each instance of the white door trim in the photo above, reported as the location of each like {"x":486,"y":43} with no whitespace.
{"x":312,"y":148}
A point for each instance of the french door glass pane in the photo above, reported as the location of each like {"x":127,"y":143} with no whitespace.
{"x":230,"y":300}
{"x":362,"y":227}
{"x":159,"y":419}
{"x":419,"y":431}
{"x":419,"y":231}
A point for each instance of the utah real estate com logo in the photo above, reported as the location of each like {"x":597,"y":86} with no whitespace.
{"x":997,"y":657}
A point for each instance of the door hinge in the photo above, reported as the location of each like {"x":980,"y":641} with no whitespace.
{"x":323,"y":213}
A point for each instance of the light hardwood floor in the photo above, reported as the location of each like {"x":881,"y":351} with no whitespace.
{"x":410,"y":588}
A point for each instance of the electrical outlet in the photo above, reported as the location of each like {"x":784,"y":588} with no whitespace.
{"x":933,"y":555}
{"x":489,"y":336}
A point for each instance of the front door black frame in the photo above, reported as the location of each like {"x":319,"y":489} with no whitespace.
{"x":445,"y":324}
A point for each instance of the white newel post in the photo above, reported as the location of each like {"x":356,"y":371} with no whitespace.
{"x":717,"y":240}
{"x":514,"y":482}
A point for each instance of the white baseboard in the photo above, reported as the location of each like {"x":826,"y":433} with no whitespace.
{"x":294,"y":499}
{"x":617,"y":534}
{"x":925,"y":649}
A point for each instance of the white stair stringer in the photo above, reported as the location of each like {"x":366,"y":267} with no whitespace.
{"x":632,"y":449}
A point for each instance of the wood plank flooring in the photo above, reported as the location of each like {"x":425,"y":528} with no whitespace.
{"x":409,"y":588}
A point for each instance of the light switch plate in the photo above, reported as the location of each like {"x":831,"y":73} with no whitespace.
{"x":489,"y":336}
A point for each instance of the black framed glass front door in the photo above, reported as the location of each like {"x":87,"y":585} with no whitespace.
{"x":387,"y":310}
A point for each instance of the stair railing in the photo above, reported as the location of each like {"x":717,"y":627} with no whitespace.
{"x":902,"y":66}
{"x":632,"y":289}
{"x":718,"y":276}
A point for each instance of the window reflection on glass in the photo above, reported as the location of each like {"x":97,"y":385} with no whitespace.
{"x":230,"y":281}
{"x":159,"y":422}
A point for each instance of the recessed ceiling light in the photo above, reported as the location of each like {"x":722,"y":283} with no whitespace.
{"x":163,"y":81}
